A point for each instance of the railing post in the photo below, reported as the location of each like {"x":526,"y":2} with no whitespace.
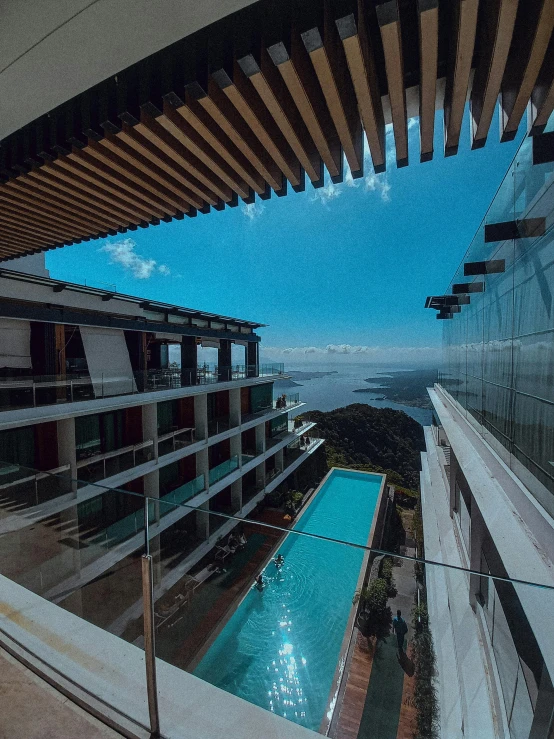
{"x":150,"y":644}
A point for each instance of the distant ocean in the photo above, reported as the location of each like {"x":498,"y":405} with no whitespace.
{"x":336,"y":390}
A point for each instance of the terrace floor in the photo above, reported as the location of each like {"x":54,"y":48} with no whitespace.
{"x":31,"y":709}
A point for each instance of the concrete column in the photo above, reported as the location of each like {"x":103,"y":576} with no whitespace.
{"x":235,"y":445}
{"x":189,"y":360}
{"x":150,"y":425}
{"x":260,"y":475}
{"x":224,"y":360}
{"x":234,"y":406}
{"x":478,"y":533}
{"x":236,"y":495}
{"x":260,"y":437}
{"x":203,"y":521}
{"x":279,"y":460}
{"x":67,"y":453}
{"x":252,"y":359}
{"x":201,"y":416}
{"x":203,"y":466}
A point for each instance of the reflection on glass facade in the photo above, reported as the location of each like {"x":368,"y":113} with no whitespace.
{"x":499,"y":350}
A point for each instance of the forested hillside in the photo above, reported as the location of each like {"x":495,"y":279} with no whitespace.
{"x":360,"y":435}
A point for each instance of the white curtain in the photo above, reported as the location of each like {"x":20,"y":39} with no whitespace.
{"x":108,"y":361}
{"x":15,"y":343}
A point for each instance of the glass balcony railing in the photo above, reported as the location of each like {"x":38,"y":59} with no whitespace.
{"x":185,"y":492}
{"x":276,"y":637}
{"x":40,"y":390}
{"x":219,"y":425}
{"x":101,"y":466}
{"x":222,"y":470}
{"x":175,"y":440}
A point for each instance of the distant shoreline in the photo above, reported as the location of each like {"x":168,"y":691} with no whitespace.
{"x":406,"y":387}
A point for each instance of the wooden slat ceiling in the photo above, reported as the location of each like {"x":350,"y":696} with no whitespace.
{"x":280,"y":93}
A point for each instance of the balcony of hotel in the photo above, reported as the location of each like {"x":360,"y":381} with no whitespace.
{"x":28,"y":391}
{"x":223,"y":469}
{"x":102,"y":466}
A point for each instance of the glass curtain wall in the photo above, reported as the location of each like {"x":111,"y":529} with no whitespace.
{"x":498,"y":358}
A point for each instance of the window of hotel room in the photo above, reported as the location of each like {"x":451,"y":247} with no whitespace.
{"x":99,"y":433}
{"x":461,"y":509}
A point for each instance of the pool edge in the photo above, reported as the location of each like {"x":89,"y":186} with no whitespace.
{"x":378,"y":515}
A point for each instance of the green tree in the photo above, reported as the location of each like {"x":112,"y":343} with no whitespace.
{"x":375,"y":616}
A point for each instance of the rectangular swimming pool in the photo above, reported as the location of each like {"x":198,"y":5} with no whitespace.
{"x":280,"y":648}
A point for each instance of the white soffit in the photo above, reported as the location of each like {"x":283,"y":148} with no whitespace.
{"x":52,"y":50}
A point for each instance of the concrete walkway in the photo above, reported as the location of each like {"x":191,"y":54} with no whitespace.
{"x":31,"y":709}
{"x":383,"y":703}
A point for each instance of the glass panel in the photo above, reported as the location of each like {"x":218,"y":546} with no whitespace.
{"x":498,"y":351}
{"x":261,"y":397}
{"x":267,"y":609}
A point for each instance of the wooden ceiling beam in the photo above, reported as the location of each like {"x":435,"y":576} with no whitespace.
{"x":176,"y":124}
{"x":100,"y":169}
{"x":428,"y":63}
{"x":195,"y":115}
{"x":43,"y":199}
{"x":24,"y":239}
{"x":494,"y":44}
{"x":72,"y":192}
{"x":542,"y":98}
{"x":126,"y":150}
{"x":199,"y":178}
{"x":27,"y":203}
{"x":327,"y":56}
{"x":272,"y":91}
{"x":389,"y":26}
{"x":164,"y":168}
{"x":124,"y":165}
{"x":26,"y":230}
{"x":8,"y":251}
{"x":524,"y":63}
{"x":457,"y":79}
{"x":87,"y":182}
{"x":354,"y":35}
{"x":40,"y":179}
{"x":248,"y":103}
{"x":9,"y":212}
{"x":218,"y":107}
{"x":301,"y":81}
{"x":10,"y":218}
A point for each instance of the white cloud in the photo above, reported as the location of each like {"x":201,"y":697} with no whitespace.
{"x":348,"y":352}
{"x":378,"y":182}
{"x":123,"y":253}
{"x":253,"y":210}
{"x":327,"y":193}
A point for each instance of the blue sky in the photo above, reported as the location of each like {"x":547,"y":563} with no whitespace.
{"x":339,"y":272}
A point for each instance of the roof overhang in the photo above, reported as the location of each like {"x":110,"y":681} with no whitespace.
{"x":197,"y":108}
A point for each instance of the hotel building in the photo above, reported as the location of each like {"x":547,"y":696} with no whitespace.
{"x":119,"y":115}
{"x":488,"y":473}
{"x":87,"y":394}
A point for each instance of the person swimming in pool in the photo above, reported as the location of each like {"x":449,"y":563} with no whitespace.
{"x":259,"y":584}
{"x":279,"y":561}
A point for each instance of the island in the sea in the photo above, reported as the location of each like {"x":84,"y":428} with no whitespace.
{"x":408,"y":387}
{"x":299,"y":375}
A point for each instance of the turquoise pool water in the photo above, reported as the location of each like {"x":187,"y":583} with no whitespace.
{"x":280,"y":648}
